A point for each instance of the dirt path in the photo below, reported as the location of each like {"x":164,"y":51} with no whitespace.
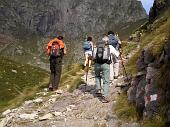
{"x":64,"y":109}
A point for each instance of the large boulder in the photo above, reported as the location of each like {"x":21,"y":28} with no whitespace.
{"x":152,"y":94}
{"x":140,"y":94}
{"x":132,"y":91}
{"x":148,"y":57}
{"x":158,"y":7}
{"x":167,"y":50}
{"x":140,"y":62}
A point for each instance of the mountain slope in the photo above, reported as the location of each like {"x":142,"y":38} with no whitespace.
{"x":72,"y":18}
{"x":149,"y":88}
{"x":28,"y":23}
{"x":18,"y":81}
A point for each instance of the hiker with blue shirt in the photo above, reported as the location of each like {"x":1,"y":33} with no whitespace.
{"x":88,"y":50}
{"x":116,"y":43}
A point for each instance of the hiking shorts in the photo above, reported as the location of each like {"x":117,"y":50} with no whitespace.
{"x":88,"y":53}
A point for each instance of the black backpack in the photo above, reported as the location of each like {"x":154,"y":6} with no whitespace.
{"x":102,"y":54}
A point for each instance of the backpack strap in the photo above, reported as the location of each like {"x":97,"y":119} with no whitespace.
{"x":108,"y":52}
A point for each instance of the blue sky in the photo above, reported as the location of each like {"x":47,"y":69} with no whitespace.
{"x":147,"y":4}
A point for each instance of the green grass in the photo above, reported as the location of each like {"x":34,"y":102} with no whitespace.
{"x":153,"y":39}
{"x":127,"y":113}
{"x":72,"y":77}
{"x":129,"y":28}
{"x":159,"y":32}
{"x":157,"y":122}
{"x":127,"y":47}
{"x":124,"y":110}
{"x":19,"y":82}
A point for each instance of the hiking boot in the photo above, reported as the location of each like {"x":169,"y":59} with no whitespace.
{"x":50,"y":89}
{"x":98,"y":93}
{"x":105,"y":99}
{"x":111,"y":84}
{"x":111,"y":81}
{"x":115,"y":77}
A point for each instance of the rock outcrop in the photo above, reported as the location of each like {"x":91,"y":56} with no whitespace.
{"x":146,"y":91}
{"x":149,"y":90}
{"x":158,"y":7}
{"x":71,"y":18}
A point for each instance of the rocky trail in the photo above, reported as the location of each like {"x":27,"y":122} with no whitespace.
{"x":64,"y":109}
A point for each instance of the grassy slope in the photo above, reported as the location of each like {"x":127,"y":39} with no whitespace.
{"x":160,"y":30}
{"x":29,"y":49}
{"x":18,"y":82}
{"x":71,"y":77}
{"x":123,"y":110}
{"x":127,"y":29}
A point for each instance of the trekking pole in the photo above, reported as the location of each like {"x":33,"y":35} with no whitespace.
{"x":87,"y":70}
{"x":123,"y":65}
{"x":86,"y":78}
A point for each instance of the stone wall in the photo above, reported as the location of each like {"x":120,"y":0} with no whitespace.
{"x":150,"y":87}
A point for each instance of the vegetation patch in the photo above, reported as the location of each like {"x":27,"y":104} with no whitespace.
{"x":71,"y":77}
{"x":158,"y":121}
{"x":156,"y":36}
{"x":127,"y":47}
{"x":124,"y":110}
{"x":131,"y":64}
{"x":19,"y":82}
{"x":154,"y":39}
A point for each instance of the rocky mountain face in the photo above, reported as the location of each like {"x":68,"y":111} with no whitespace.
{"x":149,"y":90}
{"x":22,"y":20}
{"x":158,"y":7}
{"x":71,"y":18}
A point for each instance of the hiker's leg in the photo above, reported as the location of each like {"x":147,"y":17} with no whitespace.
{"x":116,"y":68}
{"x":52,"y":76}
{"x":86,"y":59}
{"x":105,"y":77}
{"x":97,"y":76}
{"x":58,"y":73}
{"x":111,"y":71}
{"x":90,"y":62}
{"x":90,"y":58}
{"x":51,"y":81}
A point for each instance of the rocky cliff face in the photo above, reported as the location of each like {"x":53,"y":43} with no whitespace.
{"x":149,"y":89}
{"x":71,"y":18}
{"x":25,"y":19}
{"x":158,"y":7}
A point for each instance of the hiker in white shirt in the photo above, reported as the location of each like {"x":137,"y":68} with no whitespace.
{"x":114,"y":66}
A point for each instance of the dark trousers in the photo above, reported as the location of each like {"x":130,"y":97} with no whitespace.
{"x":56,"y":68}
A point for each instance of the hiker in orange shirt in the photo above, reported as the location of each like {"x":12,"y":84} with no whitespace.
{"x":56,"y":49}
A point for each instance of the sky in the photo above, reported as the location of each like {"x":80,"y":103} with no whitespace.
{"x":147,"y":4}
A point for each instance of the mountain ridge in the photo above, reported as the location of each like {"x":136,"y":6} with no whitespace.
{"x":70,"y":18}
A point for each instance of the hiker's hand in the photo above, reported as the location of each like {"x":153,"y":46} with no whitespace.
{"x":65,"y":51}
{"x":120,"y":52}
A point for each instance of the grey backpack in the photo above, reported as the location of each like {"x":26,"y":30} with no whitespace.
{"x":113,"y":41}
{"x":101,"y":54}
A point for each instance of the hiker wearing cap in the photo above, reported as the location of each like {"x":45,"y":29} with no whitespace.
{"x":115,"y":54}
{"x":88,"y":50}
{"x":56,"y":49}
{"x":102,"y":58}
{"x":116,"y":43}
